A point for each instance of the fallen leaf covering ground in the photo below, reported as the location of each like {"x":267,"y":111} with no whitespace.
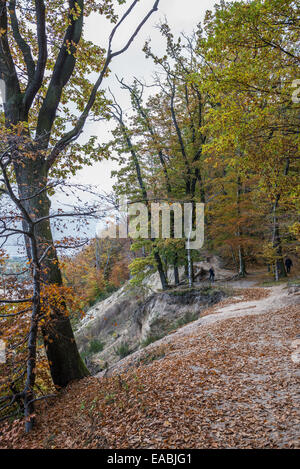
{"x":231,"y":384}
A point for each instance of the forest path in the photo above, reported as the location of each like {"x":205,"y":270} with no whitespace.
{"x":227,"y":380}
{"x":276,"y":297}
{"x":249,"y":300}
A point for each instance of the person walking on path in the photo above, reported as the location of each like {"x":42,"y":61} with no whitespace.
{"x":211,"y":274}
{"x":288,"y":264}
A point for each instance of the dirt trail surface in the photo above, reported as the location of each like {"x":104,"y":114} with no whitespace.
{"x":227,"y":380}
{"x":265,"y":300}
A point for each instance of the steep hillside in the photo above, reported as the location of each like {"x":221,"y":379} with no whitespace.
{"x":228,"y":380}
{"x":134,"y":317}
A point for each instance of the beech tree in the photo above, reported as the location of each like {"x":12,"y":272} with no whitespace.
{"x":163,"y":141}
{"x":221,"y":127}
{"x":128,"y":147}
{"x":251,"y":55}
{"x":45,"y":63}
{"x":30,"y":306}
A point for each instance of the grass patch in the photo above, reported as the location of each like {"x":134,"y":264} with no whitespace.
{"x":273,"y":283}
{"x":109,"y":290}
{"x":182,"y":292}
{"x":152,"y":338}
{"x":95,"y":346}
{"x":204,"y":289}
{"x":186,"y":319}
{"x":294,"y":282}
{"x":123,"y":350}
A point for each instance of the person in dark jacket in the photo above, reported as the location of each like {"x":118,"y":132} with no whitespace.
{"x":288,"y":264}
{"x":211,"y":274}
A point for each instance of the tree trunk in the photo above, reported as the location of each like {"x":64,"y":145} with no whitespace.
{"x":98,"y":253}
{"x":106,"y":271}
{"x":162,"y":276}
{"x":242,"y":263}
{"x":279,"y":267}
{"x":64,"y":359}
{"x":176,"y":274}
{"x":31,"y":360}
{"x":234,"y":259}
{"x":190,"y":268}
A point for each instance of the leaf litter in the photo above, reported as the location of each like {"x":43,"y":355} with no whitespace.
{"x":229,"y":384}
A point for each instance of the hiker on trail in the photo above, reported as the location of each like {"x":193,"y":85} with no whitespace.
{"x":288,"y":264}
{"x":211,"y":274}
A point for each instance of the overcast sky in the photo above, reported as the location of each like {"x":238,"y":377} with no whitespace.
{"x":182,"y":16}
